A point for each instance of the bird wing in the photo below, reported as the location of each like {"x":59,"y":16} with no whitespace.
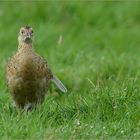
{"x":46,"y":71}
{"x":11,"y":66}
{"x":43,"y":68}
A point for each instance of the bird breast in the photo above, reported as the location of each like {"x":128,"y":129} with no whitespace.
{"x":27,"y":67}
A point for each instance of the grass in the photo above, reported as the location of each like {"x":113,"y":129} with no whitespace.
{"x":98,"y":60}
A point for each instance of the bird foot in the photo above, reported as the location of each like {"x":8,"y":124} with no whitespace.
{"x":28,"y":107}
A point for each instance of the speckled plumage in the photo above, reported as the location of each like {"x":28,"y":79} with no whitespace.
{"x":28,"y":76}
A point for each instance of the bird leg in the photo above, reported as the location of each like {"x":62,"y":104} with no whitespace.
{"x":28,"y":107}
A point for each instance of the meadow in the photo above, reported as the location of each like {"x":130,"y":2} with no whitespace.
{"x":94,"y":48}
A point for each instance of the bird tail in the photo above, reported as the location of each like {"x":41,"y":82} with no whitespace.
{"x":59,"y":84}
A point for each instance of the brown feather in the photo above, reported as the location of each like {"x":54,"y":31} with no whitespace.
{"x":28,"y":76}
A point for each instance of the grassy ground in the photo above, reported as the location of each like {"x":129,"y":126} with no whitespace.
{"x":98,"y":59}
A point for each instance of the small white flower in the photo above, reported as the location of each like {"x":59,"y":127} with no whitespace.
{"x":91,"y":127}
{"x":78,"y":122}
{"x":115,"y":106}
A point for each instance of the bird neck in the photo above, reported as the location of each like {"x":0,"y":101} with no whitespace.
{"x":25,"y":46}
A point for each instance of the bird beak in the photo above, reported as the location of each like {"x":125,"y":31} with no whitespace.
{"x":28,"y":36}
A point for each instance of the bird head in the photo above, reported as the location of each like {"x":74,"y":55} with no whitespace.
{"x":26,"y":35}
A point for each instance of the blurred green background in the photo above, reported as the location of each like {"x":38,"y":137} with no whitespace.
{"x":94,"y":48}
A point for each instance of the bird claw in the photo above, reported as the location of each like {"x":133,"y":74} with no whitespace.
{"x":28,"y":107}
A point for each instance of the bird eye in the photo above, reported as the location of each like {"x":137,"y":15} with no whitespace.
{"x":32,"y":32}
{"x":22,"y":32}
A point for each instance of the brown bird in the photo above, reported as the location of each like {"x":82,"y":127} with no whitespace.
{"x":28,"y":74}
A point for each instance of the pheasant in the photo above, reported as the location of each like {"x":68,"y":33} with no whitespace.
{"x":28,"y":74}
